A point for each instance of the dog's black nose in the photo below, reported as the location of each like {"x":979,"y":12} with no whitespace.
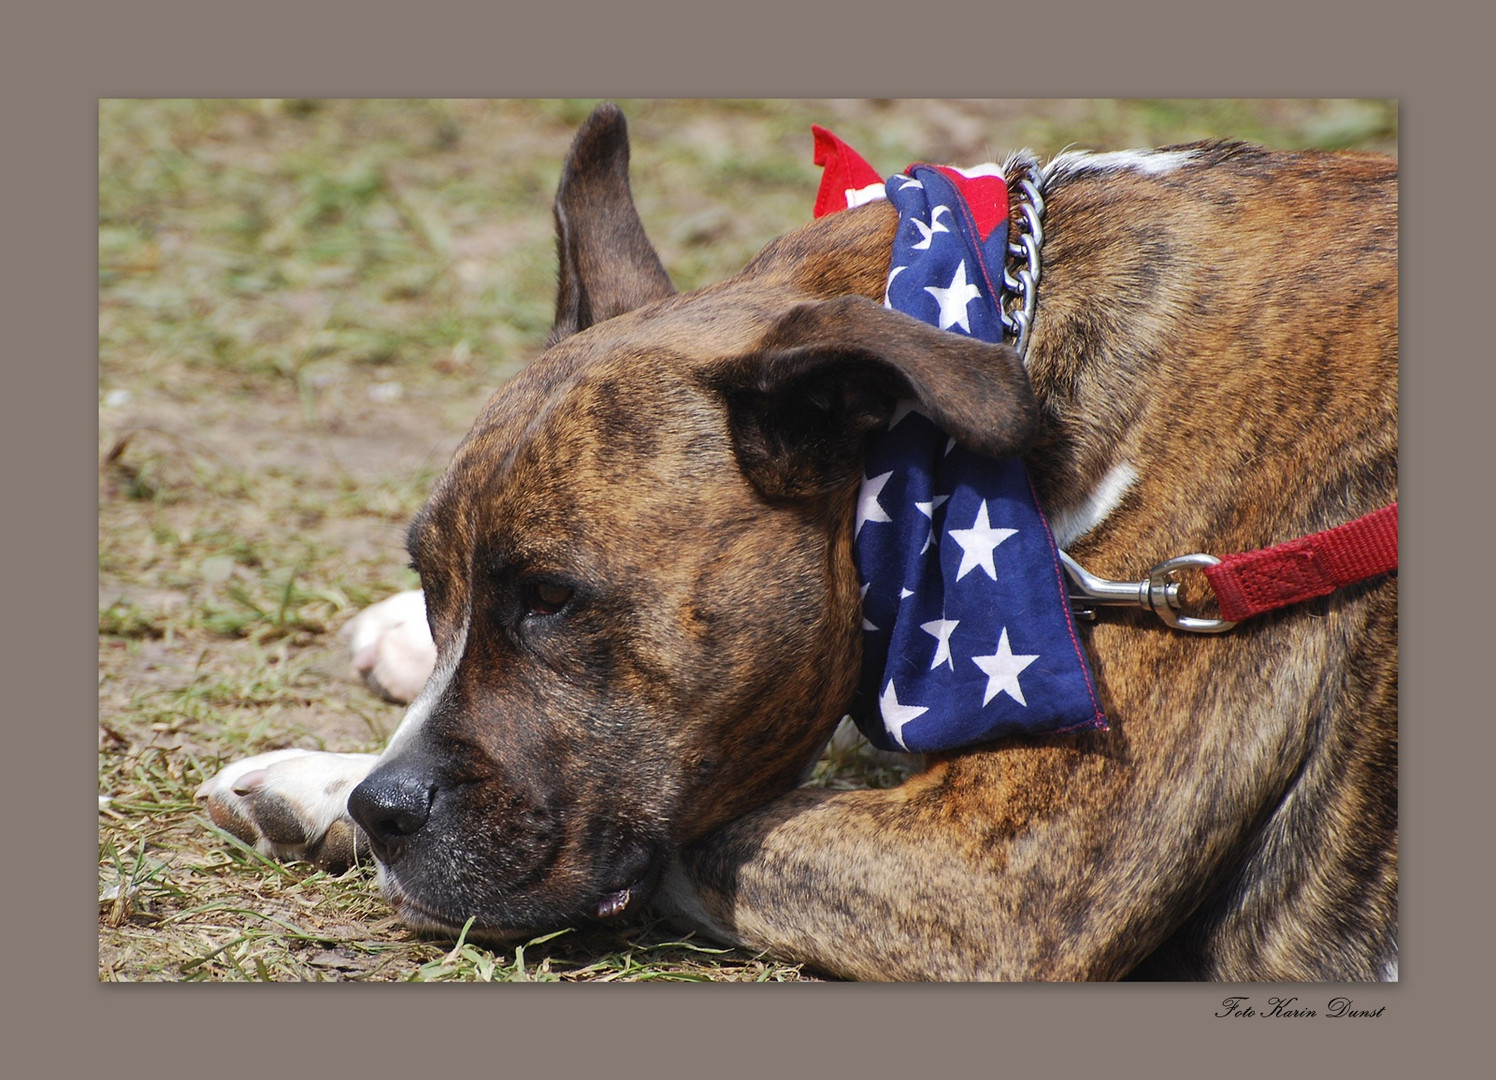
{"x":392,"y":804}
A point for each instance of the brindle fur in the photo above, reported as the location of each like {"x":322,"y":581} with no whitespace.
{"x":687,"y":466}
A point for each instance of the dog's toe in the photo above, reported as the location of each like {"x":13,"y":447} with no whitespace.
{"x":231,"y":815}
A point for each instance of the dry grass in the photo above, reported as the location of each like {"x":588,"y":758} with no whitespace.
{"x":301,"y":307}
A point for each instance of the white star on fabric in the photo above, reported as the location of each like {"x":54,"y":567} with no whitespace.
{"x":941,"y":630}
{"x":929,"y":231}
{"x":954,"y":300}
{"x":1002,"y":669}
{"x":895,"y":716}
{"x":866,"y":622}
{"x":868,"y":507}
{"x":909,"y":182}
{"x":978,"y":543}
{"x":928,"y":509}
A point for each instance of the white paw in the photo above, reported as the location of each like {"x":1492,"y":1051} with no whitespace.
{"x":392,"y":647}
{"x":291,"y":804}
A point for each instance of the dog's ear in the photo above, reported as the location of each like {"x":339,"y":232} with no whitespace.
{"x":608,"y":265}
{"x":830,"y":371}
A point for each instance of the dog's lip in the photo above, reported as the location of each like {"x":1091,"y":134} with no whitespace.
{"x":424,"y":920}
{"x":419,"y":917}
{"x":415,"y":914}
{"x":614,"y":902}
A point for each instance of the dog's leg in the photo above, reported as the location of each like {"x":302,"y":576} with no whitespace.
{"x":291,"y":805}
{"x":889,"y":884}
{"x":1189,"y":847}
{"x":892,"y":885}
{"x":974,"y":871}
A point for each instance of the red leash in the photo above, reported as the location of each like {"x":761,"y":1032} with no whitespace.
{"x":1297,"y":570}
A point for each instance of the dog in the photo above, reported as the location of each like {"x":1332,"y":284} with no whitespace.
{"x":638,"y":578}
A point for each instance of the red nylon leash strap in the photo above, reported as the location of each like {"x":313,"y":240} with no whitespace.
{"x":1257,"y":581}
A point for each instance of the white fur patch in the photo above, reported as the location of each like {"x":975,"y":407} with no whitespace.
{"x":1073,"y":522}
{"x":431,"y":693}
{"x":1146,"y":162}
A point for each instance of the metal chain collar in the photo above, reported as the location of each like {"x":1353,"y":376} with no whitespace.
{"x":1024,"y":286}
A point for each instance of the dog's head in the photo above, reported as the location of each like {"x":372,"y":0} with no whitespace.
{"x":638,"y":567}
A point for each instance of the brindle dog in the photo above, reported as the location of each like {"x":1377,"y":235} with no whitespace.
{"x":639,"y":578}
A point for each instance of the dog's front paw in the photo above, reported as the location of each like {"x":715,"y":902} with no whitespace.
{"x":392,"y":647}
{"x":291,"y":805}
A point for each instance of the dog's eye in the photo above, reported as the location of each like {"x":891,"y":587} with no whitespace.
{"x":545,"y":597}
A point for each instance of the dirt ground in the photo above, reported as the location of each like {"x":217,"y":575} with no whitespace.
{"x":302,"y":306}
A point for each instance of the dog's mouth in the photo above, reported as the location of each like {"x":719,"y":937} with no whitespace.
{"x":501,"y":916}
{"x":420,"y":917}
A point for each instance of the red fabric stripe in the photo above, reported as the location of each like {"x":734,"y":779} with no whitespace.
{"x":1257,"y":581}
{"x":987,"y":196}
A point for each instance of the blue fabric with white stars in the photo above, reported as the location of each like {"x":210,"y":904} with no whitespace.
{"x":968,"y":633}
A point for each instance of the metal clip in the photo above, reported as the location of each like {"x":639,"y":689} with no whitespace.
{"x":1155,"y":593}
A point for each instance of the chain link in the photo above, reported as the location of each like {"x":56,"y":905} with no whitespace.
{"x":1024,"y":285}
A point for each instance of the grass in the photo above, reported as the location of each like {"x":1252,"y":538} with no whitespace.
{"x":302,"y":306}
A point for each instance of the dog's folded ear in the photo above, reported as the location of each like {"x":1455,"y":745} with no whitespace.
{"x":608,"y":265}
{"x":828,"y":372}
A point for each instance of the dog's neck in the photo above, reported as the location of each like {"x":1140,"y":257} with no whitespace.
{"x":1090,"y":341}
{"x":848,"y":252}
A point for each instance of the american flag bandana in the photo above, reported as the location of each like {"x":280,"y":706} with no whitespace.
{"x":968,"y":633}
